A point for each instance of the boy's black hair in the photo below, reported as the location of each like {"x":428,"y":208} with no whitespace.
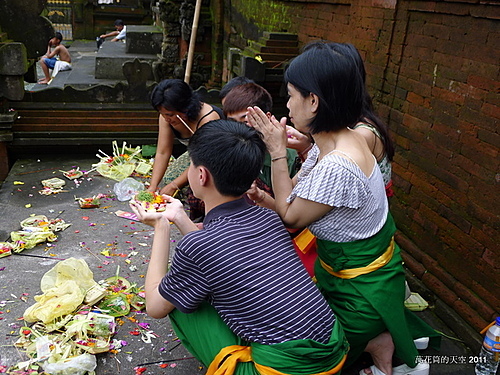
{"x":236,"y":81}
{"x":176,"y":95}
{"x":248,"y":95}
{"x":59,"y":36}
{"x":232,"y":152}
{"x":119,"y":23}
{"x":333,"y":75}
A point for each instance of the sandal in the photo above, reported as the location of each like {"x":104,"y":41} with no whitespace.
{"x":374,"y":369}
{"x":420,"y":369}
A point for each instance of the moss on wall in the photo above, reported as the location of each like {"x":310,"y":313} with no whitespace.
{"x":266,"y":15}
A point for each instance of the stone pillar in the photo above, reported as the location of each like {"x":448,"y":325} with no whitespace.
{"x":13,"y":66}
{"x":168,"y":14}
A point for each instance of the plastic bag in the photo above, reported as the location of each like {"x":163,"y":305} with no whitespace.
{"x":64,"y":288}
{"x":75,"y":366}
{"x":127,"y":189}
{"x":70,"y":269}
{"x":30,"y":237}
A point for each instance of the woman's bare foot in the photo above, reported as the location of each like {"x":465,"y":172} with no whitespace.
{"x":43,"y":81}
{"x":381,"y":348}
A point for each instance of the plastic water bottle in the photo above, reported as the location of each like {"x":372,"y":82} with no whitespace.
{"x":489,"y":357}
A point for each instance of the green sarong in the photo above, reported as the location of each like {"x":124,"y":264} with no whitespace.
{"x":204,"y":335}
{"x":370,"y":304}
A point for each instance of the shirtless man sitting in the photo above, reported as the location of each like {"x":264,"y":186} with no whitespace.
{"x":49,"y":60}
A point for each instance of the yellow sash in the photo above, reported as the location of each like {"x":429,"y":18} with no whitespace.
{"x":238,"y":353}
{"x":373,"y":266}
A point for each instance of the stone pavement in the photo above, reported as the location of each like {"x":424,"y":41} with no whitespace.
{"x":95,"y":230}
{"x":91,"y":232}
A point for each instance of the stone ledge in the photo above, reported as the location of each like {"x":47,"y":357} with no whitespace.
{"x":144,"y":39}
{"x":111,"y":57}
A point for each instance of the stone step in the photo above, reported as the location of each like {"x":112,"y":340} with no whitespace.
{"x":278,"y":43}
{"x":270,"y":56}
{"x":101,"y":125}
{"x":280,"y":36}
{"x":63,"y":121}
{"x":90,"y":115}
{"x":275,"y":64}
{"x":261,"y":48}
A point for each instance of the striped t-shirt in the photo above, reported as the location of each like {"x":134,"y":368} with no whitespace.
{"x":359,"y":203}
{"x":244,"y":264}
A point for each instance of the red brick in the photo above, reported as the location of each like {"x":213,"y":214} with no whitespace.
{"x":412,"y":264}
{"x":481,"y":53}
{"x":451,"y":48}
{"x":492,"y":299}
{"x":448,"y":96}
{"x":471,"y":316}
{"x":428,"y":226}
{"x":491,"y":110}
{"x":447,"y":279}
{"x":443,"y":59}
{"x":492,"y":257}
{"x":468,"y":91}
{"x":420,"y":88}
{"x":485,"y":196}
{"x":423,"y":183}
{"x":419,"y":6}
{"x":401,"y":184}
{"x":489,"y":274}
{"x":452,"y":8}
{"x":416,"y":124}
{"x":482,"y":212}
{"x":493,"y":40}
{"x":473,"y":300}
{"x":437,"y":30}
{"x":489,"y":137}
{"x":436,"y":286}
{"x":484,"y":83}
{"x":401,"y":141}
{"x":479,"y":152}
{"x":456,"y":218}
{"x":461,"y":242}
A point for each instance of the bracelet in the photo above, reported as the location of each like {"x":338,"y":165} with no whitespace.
{"x":278,"y":158}
{"x":175,"y":185}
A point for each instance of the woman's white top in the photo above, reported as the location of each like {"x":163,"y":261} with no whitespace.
{"x":359,"y":203}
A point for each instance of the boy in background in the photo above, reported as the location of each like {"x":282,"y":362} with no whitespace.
{"x":57,"y":59}
{"x":236,"y":102}
{"x":120,"y":33}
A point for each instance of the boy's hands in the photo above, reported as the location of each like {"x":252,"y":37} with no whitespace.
{"x":171,"y":214}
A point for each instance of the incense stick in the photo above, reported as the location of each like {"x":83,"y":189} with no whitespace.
{"x":184,"y":122}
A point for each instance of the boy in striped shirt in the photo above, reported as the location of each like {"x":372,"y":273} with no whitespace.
{"x":236,"y":293}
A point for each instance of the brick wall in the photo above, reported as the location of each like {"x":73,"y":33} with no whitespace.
{"x":433,"y":69}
